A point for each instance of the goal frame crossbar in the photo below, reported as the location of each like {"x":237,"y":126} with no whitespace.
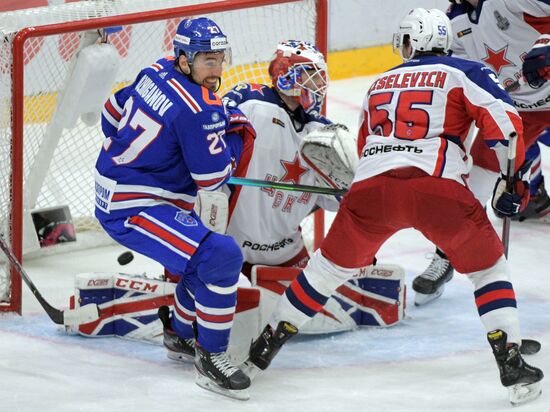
{"x":17,"y":128}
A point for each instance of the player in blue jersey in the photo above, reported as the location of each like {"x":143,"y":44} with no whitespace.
{"x":166,"y":136}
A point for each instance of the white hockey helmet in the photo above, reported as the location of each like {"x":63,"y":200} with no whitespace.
{"x":425,"y":30}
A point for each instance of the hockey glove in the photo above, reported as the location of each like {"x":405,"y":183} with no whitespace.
{"x":506,"y":202}
{"x":239,"y":123}
{"x":536,"y":66}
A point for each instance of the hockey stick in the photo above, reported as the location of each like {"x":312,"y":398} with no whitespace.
{"x":510,"y":165}
{"x":528,"y":346}
{"x":286,"y":186}
{"x":85,"y":314}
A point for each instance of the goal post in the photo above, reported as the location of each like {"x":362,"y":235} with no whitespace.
{"x":54,"y":162}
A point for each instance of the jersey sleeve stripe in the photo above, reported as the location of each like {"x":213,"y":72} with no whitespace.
{"x":185,"y":96}
{"x":121,"y":198}
{"x":115,"y":111}
{"x":211,"y":181}
{"x":110,"y":119}
{"x":156,"y":67}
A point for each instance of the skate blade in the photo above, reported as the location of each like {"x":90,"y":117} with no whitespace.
{"x":208,"y":384}
{"x":179,"y":357}
{"x":522,"y":393}
{"x":421,"y":299}
{"x":250,"y":370}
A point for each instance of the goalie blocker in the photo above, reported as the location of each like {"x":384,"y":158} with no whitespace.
{"x":128,"y":304}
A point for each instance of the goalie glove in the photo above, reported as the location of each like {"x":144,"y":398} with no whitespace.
{"x":330,"y":152}
{"x":536,"y":66}
{"x":508,"y":203}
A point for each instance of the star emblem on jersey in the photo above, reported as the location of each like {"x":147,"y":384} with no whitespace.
{"x":257,"y":88}
{"x":293,"y":170}
{"x":497,"y":58}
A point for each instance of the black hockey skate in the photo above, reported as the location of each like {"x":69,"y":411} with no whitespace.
{"x":538,"y":207}
{"x":215,"y":373}
{"x":431,"y":283}
{"x":178,"y":349}
{"x":522,"y":380}
{"x":268,"y":344}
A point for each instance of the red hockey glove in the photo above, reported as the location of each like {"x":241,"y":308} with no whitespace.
{"x":511,"y":202}
{"x":239,"y":123}
{"x":536,"y":66}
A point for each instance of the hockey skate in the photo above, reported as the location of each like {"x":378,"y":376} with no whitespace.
{"x":431,"y":283}
{"x":178,"y":349}
{"x":215,"y":373}
{"x":538,"y":208}
{"x":268,"y":344}
{"x":522,"y":380}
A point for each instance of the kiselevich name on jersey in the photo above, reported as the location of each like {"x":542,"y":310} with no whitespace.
{"x":387,"y":148}
{"x":265,"y":247}
{"x":151,"y":95}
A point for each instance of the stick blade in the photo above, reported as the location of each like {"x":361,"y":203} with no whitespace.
{"x":79,"y":316}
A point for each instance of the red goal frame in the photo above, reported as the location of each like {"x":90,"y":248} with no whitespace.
{"x":16,"y":180}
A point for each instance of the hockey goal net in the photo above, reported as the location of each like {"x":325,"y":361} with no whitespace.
{"x":47,"y":156}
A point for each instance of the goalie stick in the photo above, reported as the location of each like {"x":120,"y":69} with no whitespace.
{"x":286,"y":186}
{"x":78,"y":316}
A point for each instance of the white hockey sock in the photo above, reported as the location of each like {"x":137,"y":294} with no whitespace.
{"x":495,"y":299}
{"x":307,"y":294}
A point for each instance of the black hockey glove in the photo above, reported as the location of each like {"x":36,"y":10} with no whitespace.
{"x":507,"y":202}
{"x":536,"y":66}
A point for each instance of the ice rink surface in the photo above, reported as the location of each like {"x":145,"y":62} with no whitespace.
{"x":437,"y":359}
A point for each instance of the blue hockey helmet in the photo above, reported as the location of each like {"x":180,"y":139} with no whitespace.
{"x":200,"y":35}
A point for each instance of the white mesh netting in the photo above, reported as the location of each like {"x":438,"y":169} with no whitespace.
{"x":61,"y":173}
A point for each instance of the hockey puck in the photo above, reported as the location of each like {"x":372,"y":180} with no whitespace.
{"x":529,"y":347}
{"x":125,"y":258}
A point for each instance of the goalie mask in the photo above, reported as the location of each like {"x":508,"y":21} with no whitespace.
{"x":425,"y":31}
{"x":200,"y":35}
{"x":298,"y":69}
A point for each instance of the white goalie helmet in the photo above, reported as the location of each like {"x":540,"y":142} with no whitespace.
{"x":425,"y":30}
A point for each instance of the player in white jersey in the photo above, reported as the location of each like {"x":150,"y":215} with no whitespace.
{"x":266,"y":222}
{"x":510,"y":37}
{"x":415,"y":121}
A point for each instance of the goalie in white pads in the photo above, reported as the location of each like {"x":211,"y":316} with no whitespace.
{"x":294,"y":144}
{"x":415,"y":119}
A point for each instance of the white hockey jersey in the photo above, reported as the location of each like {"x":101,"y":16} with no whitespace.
{"x":419,"y":114}
{"x":266,"y":222}
{"x":499,"y":33}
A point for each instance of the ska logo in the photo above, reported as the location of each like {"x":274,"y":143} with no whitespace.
{"x":185,"y":219}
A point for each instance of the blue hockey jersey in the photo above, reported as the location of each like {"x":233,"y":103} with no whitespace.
{"x":164,"y":139}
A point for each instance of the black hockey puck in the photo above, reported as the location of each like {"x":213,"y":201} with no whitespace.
{"x":529,"y":347}
{"x":125,"y":258}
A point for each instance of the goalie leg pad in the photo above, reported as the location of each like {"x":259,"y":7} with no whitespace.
{"x":129,"y":306}
{"x":374,"y":297}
